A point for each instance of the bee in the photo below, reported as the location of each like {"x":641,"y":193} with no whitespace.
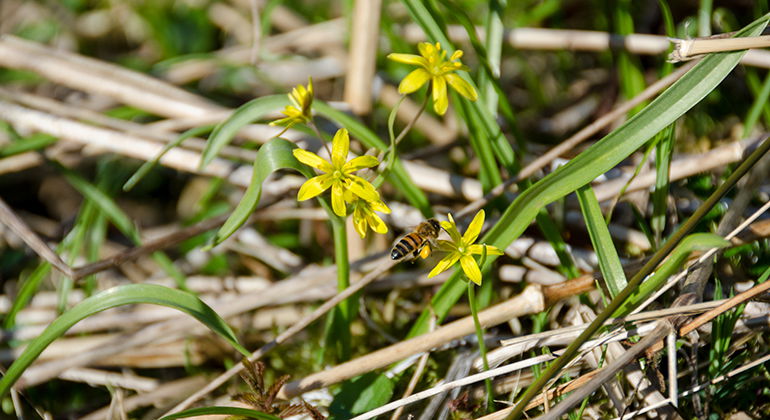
{"x":418,"y":241}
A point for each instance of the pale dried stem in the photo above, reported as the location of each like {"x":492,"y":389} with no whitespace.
{"x":687,"y":49}
{"x":364,"y":36}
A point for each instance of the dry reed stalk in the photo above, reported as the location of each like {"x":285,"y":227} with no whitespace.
{"x":687,"y":49}
{"x":578,"y":40}
{"x":95,"y":377}
{"x":364,"y":37}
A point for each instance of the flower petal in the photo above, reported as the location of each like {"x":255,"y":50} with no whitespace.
{"x":451,"y":228}
{"x":360,"y":162}
{"x":415,"y":60}
{"x":379,"y":206}
{"x":478,"y":249}
{"x":440,"y":99}
{"x":445,"y":263}
{"x":474,"y":228}
{"x":311,"y":159}
{"x":338,"y":202}
{"x":446,"y":246}
{"x":376,"y":223}
{"x":340,"y":147}
{"x":461,"y":86}
{"x":359,"y":221}
{"x":413,"y":81}
{"x":428,"y":50}
{"x":314,"y":186}
{"x":362,"y":188}
{"x":471,"y":269}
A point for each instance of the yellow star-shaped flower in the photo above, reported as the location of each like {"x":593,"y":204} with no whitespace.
{"x":462,"y":248}
{"x":299,"y":111}
{"x":338,"y":174}
{"x":432,"y":66}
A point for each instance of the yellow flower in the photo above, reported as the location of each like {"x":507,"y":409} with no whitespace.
{"x":338,"y":174}
{"x":299,"y":111}
{"x":364,"y":214}
{"x":462,"y":248}
{"x":433,"y":67}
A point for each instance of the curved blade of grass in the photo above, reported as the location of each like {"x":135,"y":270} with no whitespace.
{"x":247,"y":113}
{"x":147,"y":166}
{"x":597,"y":159}
{"x":691,"y":243}
{"x":118,"y":296}
{"x":397,"y":175}
{"x":273,"y":155}
{"x":226,"y":411}
{"x":609,"y":262}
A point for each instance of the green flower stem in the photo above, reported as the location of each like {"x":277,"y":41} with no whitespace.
{"x":394,"y":141}
{"x":482,"y":346}
{"x":344,"y":311}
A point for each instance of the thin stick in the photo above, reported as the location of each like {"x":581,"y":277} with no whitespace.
{"x":687,"y":49}
{"x":17,"y":226}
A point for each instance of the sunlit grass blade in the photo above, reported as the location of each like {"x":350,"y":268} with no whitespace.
{"x":246,"y":114}
{"x":118,"y":296}
{"x":147,"y":166}
{"x":597,"y":159}
{"x":221,"y":411}
{"x":609,"y":261}
{"x":664,"y":152}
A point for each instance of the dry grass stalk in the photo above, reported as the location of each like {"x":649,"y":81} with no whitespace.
{"x":364,"y":38}
{"x":687,"y":49}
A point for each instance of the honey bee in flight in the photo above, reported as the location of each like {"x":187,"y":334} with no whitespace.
{"x":418,"y":241}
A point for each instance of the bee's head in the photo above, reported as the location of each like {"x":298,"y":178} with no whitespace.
{"x":435,"y":225}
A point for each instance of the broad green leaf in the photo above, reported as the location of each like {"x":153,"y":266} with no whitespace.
{"x":694,"y":242}
{"x":226,"y":411}
{"x":272,"y":156}
{"x":609,"y":262}
{"x":246,"y":114}
{"x":118,"y":296}
{"x":598,"y":159}
{"x":361,"y":394}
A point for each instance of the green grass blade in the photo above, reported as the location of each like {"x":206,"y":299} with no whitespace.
{"x":694,"y":242}
{"x":664,"y":152}
{"x":609,"y":262}
{"x":273,"y":155}
{"x":147,"y":166}
{"x":249,"y":112}
{"x":397,"y":175}
{"x":597,"y":159}
{"x":118,"y":296}
{"x":33,"y":142}
{"x":225,"y":411}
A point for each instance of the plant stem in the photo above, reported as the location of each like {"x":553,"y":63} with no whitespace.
{"x":482,"y":346}
{"x":344,"y":311}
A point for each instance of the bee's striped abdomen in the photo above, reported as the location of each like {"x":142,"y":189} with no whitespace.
{"x":409,"y":243}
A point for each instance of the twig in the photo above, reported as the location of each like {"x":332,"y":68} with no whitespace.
{"x":687,"y":49}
